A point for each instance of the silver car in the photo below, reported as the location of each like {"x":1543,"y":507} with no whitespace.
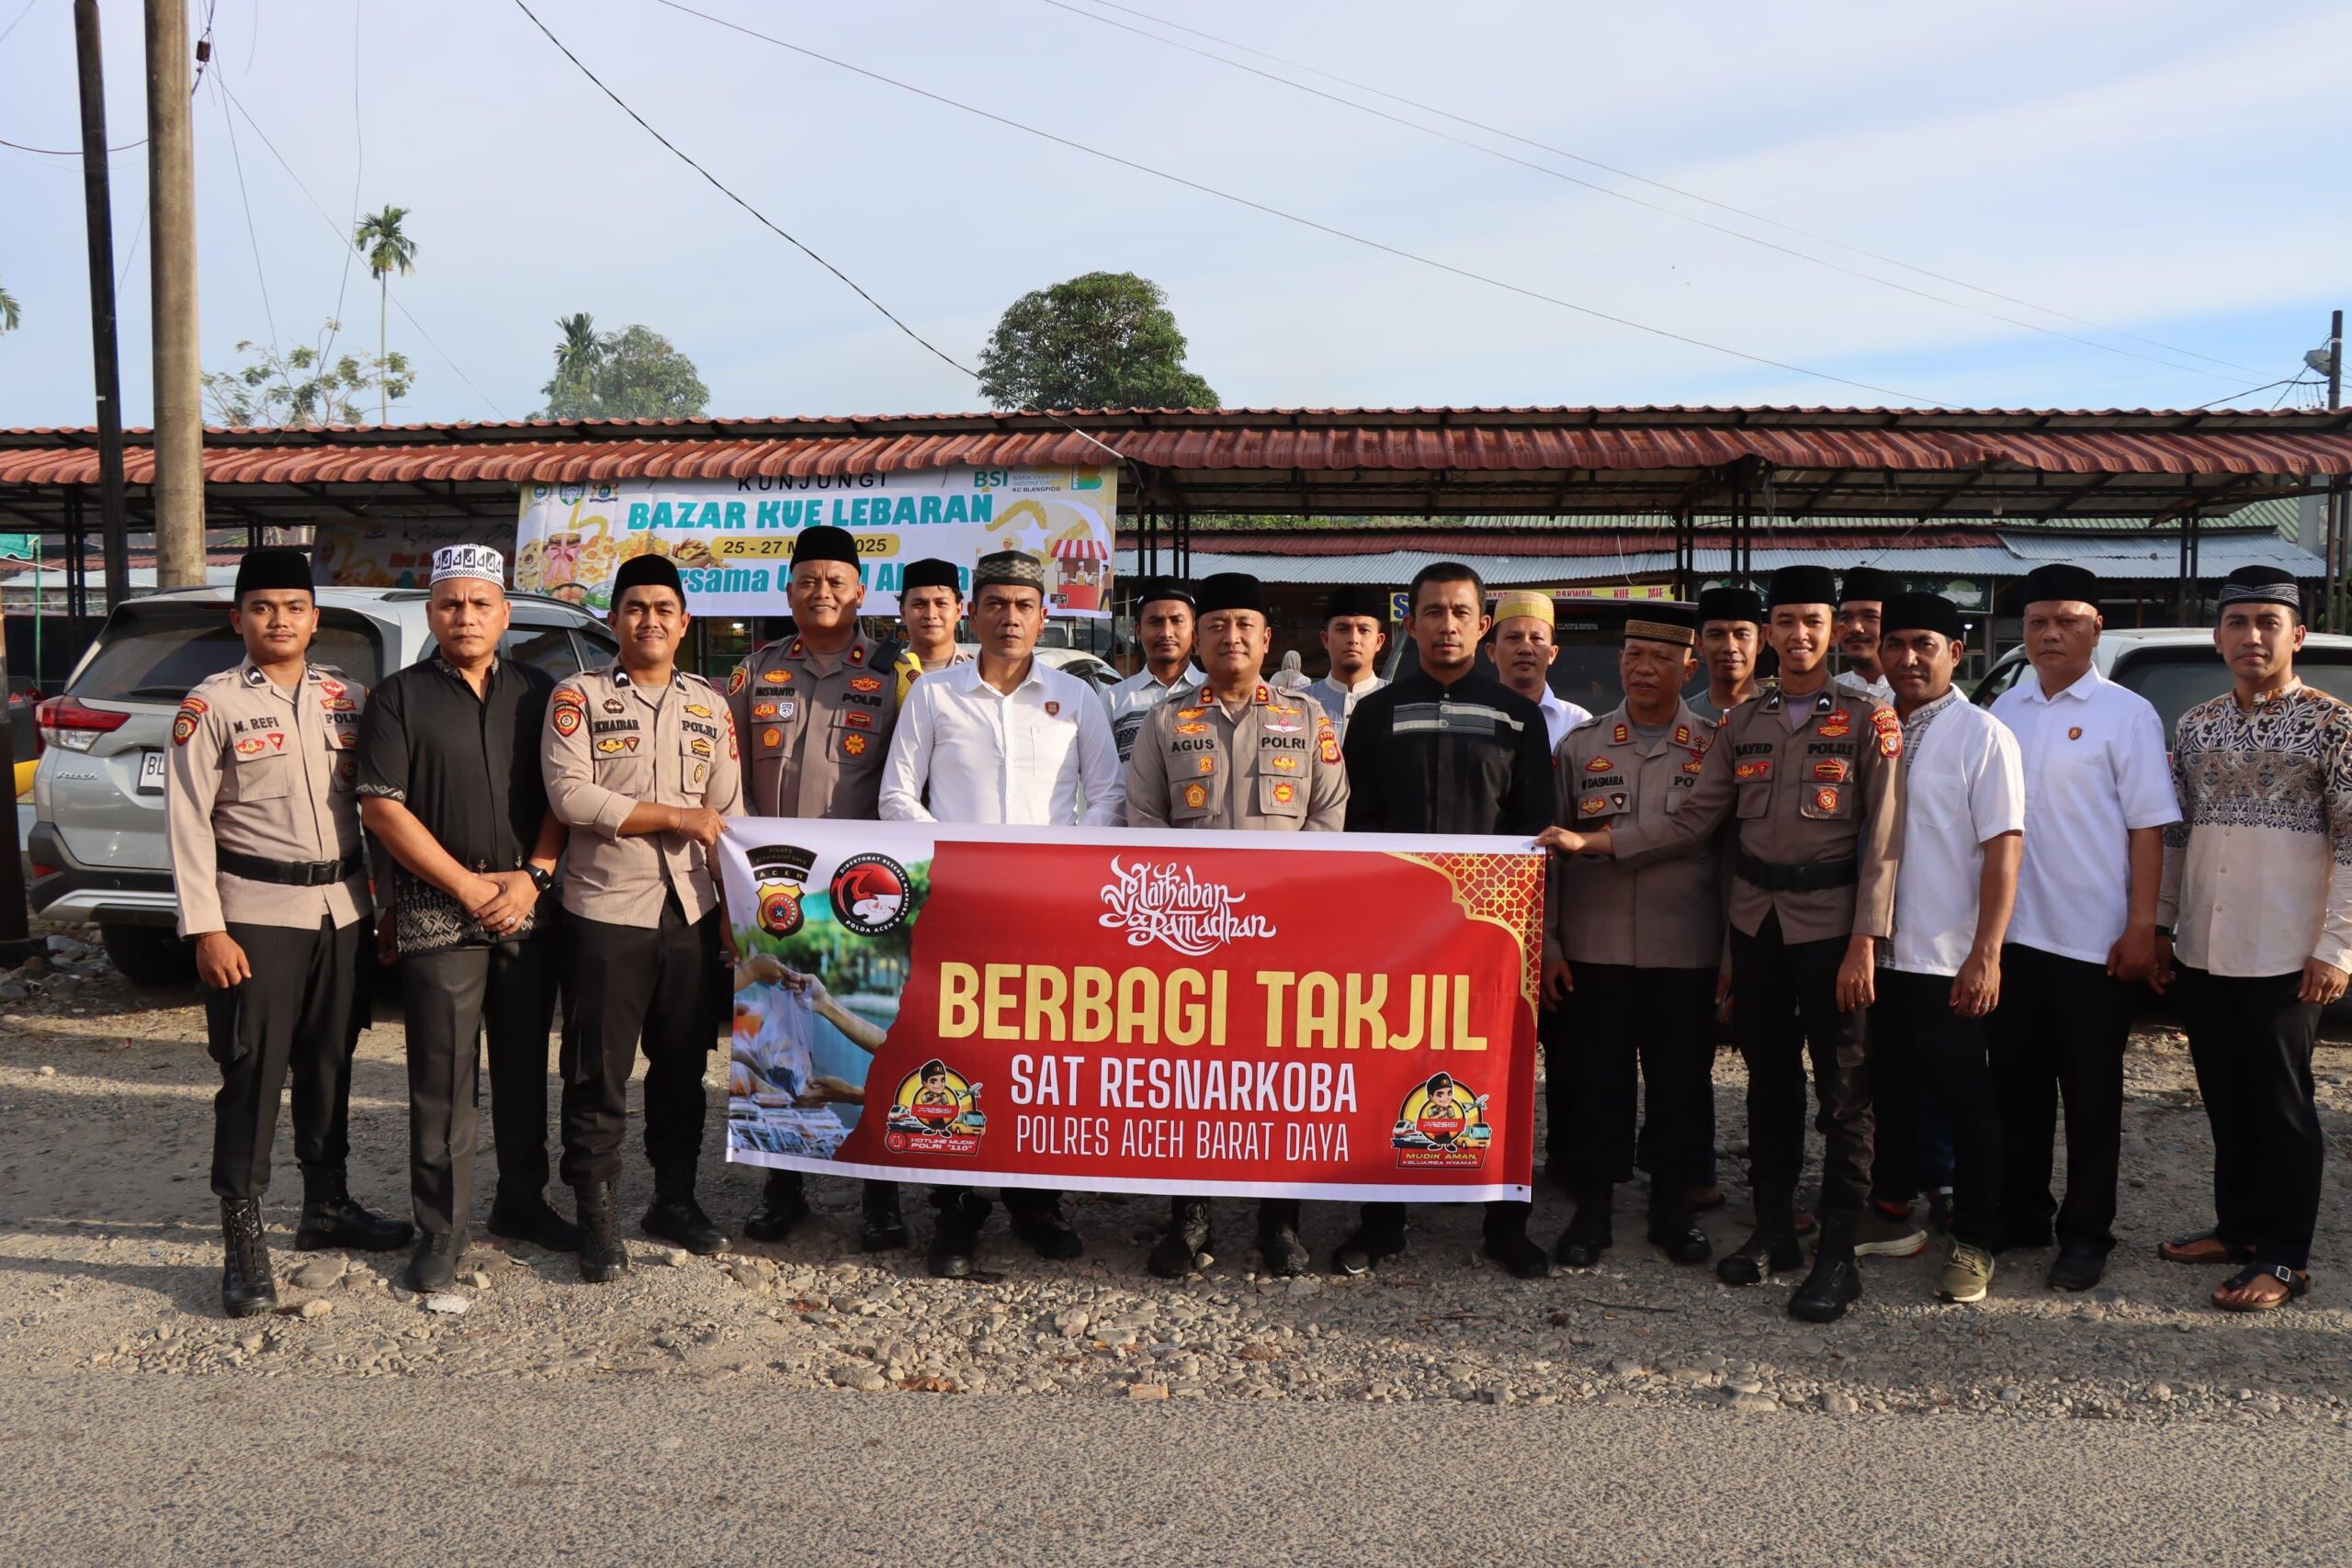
{"x":96,"y":852}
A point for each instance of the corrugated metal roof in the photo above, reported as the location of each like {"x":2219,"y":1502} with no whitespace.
{"x":2014,"y":557}
{"x":2276,"y":514}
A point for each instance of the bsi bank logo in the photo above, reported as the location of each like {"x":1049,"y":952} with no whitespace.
{"x":1166,"y":904}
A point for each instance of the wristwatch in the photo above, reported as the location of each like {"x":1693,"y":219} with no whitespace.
{"x":542,"y":880}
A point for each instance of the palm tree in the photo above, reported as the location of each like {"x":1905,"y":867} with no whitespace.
{"x":579,"y":351}
{"x":378,"y":238}
{"x":10,"y":316}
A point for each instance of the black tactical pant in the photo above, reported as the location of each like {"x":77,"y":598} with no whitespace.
{"x":449,"y":995}
{"x":295,"y":1014}
{"x":2060,"y":1030}
{"x":661,"y":985}
{"x":2251,"y":1040}
{"x":1621,"y":1018}
{"x":1922,"y":1052}
{"x":1771,"y":977}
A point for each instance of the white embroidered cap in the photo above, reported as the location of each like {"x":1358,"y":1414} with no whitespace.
{"x":469,"y":560}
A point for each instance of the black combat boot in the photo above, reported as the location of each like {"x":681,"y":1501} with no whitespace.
{"x":528,"y":1217}
{"x":1375,"y":1236}
{"x":1279,"y":1247}
{"x":955,"y":1236}
{"x":674,"y":1216}
{"x":1835,"y":1283}
{"x":1507,"y":1241}
{"x":330,"y":1219}
{"x":1673,"y":1230}
{"x":602,"y":1256}
{"x":1771,"y":1247}
{"x":1037,"y":1219}
{"x":1591,"y":1231}
{"x":883,"y":1228}
{"x":434,"y":1265}
{"x":247,"y":1284}
{"x":784,"y":1203}
{"x":1187,"y":1236}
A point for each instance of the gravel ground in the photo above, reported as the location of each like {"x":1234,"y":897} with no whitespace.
{"x":109,"y":1259}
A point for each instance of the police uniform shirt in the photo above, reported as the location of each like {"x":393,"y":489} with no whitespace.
{"x":1275,"y":765}
{"x":1821,"y":791}
{"x":1664,"y":914}
{"x":1473,"y":757}
{"x":1132,"y":699}
{"x":814,"y":733}
{"x":1338,"y":703}
{"x":610,"y":744}
{"x":268,"y":771}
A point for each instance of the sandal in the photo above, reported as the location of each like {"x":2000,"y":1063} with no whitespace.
{"x":2298,"y":1285}
{"x":2205,"y":1247}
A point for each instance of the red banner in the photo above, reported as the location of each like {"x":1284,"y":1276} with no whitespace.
{"x":1343,"y":1016}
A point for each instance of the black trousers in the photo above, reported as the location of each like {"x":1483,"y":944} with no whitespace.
{"x":659,"y":985}
{"x":1559,"y":1095}
{"x":1773,"y":978}
{"x":297,"y":1014}
{"x":1505,"y":1217}
{"x":449,"y":997}
{"x":1621,"y":1019}
{"x":2251,"y":1042}
{"x":2058,"y":1033}
{"x":1923,"y":1053}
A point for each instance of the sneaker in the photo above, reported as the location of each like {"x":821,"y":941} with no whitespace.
{"x":1881,"y":1235}
{"x":1967,"y":1274}
{"x":1939,"y":1211}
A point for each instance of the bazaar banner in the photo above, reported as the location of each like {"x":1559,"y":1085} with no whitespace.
{"x":732,"y":539}
{"x":1339,"y":1016}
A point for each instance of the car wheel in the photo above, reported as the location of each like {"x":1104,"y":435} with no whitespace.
{"x":149,"y":955}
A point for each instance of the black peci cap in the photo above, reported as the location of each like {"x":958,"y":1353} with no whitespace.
{"x":1867,"y":583}
{"x":1920,"y":612}
{"x":1229,"y":591}
{"x":2059,"y":580}
{"x":270,"y":568}
{"x":1156,"y":587}
{"x":931,"y":573}
{"x":1730,"y":604}
{"x":647,"y":570}
{"x":1357,"y":599}
{"x":2262,"y":585}
{"x":1802,"y":585}
{"x":824,"y":542}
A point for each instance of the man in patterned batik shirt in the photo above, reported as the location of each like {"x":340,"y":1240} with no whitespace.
{"x":2254,"y":925}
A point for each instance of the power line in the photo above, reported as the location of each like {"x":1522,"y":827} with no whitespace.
{"x":345,"y":239}
{"x":2249,"y":391}
{"x":1676,"y":190}
{"x":237,"y":159}
{"x":766,"y":222}
{"x":19,"y":22}
{"x":68,"y":152}
{"x":1633,"y":200}
{"x":1396,"y":251}
{"x":359,"y":167}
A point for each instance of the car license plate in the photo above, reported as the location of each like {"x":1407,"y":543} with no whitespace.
{"x":151,"y":771}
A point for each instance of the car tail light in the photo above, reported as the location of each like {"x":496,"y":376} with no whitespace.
{"x":75,"y":726}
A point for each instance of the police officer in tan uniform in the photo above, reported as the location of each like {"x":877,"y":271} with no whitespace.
{"x":930,"y":602}
{"x":1630,"y":952}
{"x":1810,"y":772}
{"x":1235,"y":754}
{"x":814,"y":711}
{"x":263,"y":826}
{"x":641,"y":766}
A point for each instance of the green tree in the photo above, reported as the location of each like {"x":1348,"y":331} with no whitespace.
{"x":10,"y":316}
{"x":387,"y":250}
{"x":1107,"y":340}
{"x":304,"y":385}
{"x":635,"y":373}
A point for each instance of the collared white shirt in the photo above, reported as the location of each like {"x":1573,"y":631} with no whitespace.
{"x":1963,"y":785}
{"x":1560,"y":715}
{"x":1040,"y":756}
{"x":2095,"y":770}
{"x":1339,"y":702}
{"x":1132,"y":699}
{"x":1880,"y":689}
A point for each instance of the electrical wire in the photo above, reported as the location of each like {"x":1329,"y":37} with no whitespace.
{"x":68,"y":152}
{"x":203,"y":42}
{"x":769,"y":224}
{"x":2249,"y":391}
{"x":237,"y":161}
{"x":1675,"y":191}
{"x":19,"y":22}
{"x":359,"y":167}
{"x":345,"y":239}
{"x":1381,"y":246}
{"x":1636,"y":201}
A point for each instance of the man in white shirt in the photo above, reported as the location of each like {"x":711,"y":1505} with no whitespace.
{"x":1861,"y":598}
{"x":1006,"y":738}
{"x":1355,"y":628}
{"x":1164,"y":616}
{"x":2257,"y":909}
{"x":1963,"y":820}
{"x":1524,"y":653}
{"x":2098,"y":796}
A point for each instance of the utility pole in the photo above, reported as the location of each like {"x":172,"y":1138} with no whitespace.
{"x":2339,"y":491}
{"x":105,"y":366}
{"x":171,"y":222}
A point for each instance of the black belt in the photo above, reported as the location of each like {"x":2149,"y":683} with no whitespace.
{"x":289,"y":872}
{"x":1773,"y":877}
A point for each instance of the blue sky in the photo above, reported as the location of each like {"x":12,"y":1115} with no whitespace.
{"x":2171,"y":170}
